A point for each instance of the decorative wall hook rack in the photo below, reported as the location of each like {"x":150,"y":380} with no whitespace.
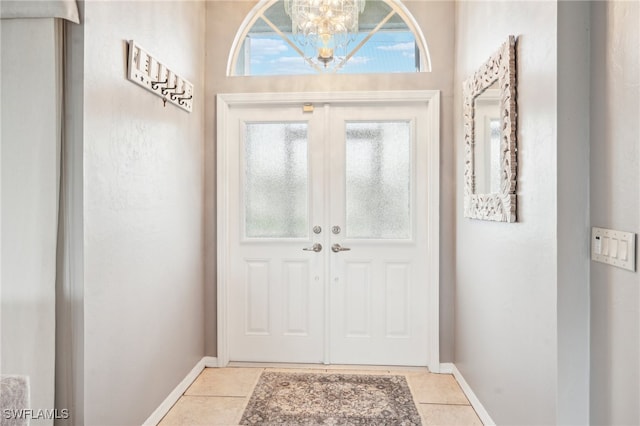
{"x":146,"y":71}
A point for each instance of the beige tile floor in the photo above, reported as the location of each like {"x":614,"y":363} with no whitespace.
{"x":219,"y":395}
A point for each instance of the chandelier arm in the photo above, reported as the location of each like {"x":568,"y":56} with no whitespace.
{"x":290,"y":43}
{"x":364,"y":40}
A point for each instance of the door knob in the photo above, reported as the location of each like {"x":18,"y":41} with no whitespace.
{"x":337,"y":247}
{"x":316,"y":247}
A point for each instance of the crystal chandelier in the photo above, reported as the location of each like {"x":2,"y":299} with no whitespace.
{"x":324,"y":28}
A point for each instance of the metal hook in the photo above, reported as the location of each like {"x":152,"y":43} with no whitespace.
{"x":155,"y":84}
{"x":182,"y":102}
{"x":166,"y":90}
{"x":175,"y":95}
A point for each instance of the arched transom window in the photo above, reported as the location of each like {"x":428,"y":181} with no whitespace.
{"x":284,"y":37}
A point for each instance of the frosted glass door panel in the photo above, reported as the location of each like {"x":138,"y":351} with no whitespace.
{"x":276,"y":180}
{"x":378,"y":180}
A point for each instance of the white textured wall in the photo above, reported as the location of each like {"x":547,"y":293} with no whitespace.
{"x":29,"y":167}
{"x":143,"y":211}
{"x":506,"y":274}
{"x":436,"y":18}
{"x":573,"y":212}
{"x":615,"y":203}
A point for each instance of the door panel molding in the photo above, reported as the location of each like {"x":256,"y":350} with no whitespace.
{"x":226,"y":102}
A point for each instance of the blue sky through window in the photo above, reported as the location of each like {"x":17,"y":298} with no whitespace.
{"x":385,"y":52}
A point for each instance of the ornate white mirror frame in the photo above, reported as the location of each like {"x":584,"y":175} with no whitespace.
{"x":501,"y":205}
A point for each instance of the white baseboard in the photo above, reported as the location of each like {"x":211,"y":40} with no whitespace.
{"x":446,"y":368}
{"x":485,"y":418}
{"x":210,"y":362}
{"x":175,"y":395}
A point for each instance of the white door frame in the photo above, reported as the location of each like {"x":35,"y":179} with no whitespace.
{"x":430,"y":97}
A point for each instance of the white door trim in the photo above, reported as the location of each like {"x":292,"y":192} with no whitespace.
{"x":430,"y":97}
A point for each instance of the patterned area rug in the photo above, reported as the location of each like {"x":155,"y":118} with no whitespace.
{"x":330,"y":399}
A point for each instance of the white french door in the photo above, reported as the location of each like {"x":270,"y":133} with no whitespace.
{"x":327,"y":249}
{"x":378,"y":188}
{"x":276,"y":289}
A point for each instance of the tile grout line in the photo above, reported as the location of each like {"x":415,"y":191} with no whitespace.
{"x":417,"y":401}
{"x":423,"y":420}
{"x":248,"y":397}
{"x":444,"y":403}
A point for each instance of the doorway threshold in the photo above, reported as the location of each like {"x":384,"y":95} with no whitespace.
{"x":337,"y":367}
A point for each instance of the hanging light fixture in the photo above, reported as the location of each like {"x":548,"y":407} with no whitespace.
{"x":324,"y":28}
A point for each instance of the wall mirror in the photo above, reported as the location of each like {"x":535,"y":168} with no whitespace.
{"x":490,"y":138}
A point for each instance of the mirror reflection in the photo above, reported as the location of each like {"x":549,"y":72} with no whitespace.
{"x":486,"y":138}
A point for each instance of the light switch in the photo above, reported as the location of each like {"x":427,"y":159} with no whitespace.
{"x":617,"y":248}
{"x":623,"y":250}
{"x":613,"y":248}
{"x":597,"y":245}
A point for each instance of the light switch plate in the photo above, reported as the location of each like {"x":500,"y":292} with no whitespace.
{"x":617,"y":248}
